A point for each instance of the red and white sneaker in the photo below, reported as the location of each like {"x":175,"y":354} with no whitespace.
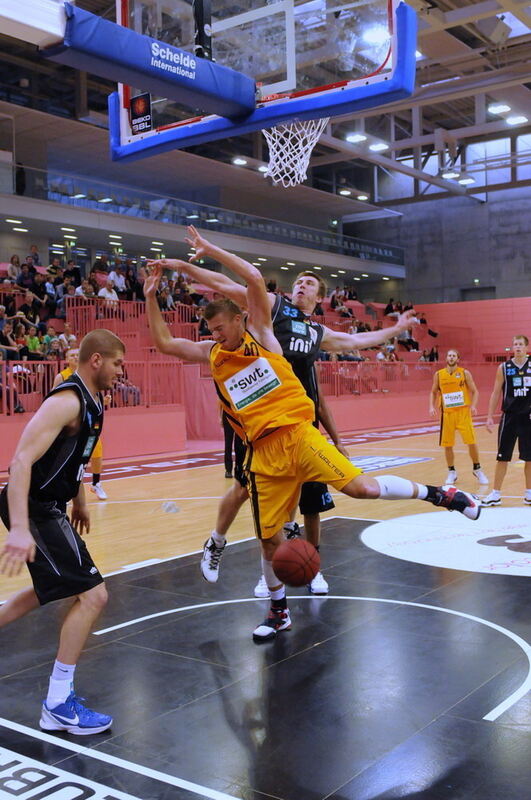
{"x":456,"y":500}
{"x":277,"y":620}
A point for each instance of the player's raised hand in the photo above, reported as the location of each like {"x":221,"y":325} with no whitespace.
{"x":198,"y":242}
{"x":18,"y":549}
{"x":151,"y":284}
{"x":406,"y":320}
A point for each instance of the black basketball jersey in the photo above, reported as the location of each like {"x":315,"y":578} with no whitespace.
{"x":300,"y":339}
{"x":517,"y":387}
{"x":58,"y":473}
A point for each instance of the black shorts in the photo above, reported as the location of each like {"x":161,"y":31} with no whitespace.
{"x":63,"y":566}
{"x":511,"y":428}
{"x":315,"y":498}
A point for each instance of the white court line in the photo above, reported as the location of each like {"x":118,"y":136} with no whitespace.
{"x":490,"y":717}
{"x":195,"y":788}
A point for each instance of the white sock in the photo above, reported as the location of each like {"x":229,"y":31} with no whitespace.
{"x":219,"y":540}
{"x":269,"y":575}
{"x":395,"y":488}
{"x":279,"y":594}
{"x":61,"y":684}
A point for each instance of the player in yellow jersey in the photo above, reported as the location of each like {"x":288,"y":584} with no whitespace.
{"x":260,"y":392}
{"x":96,"y":461}
{"x":454,"y":392}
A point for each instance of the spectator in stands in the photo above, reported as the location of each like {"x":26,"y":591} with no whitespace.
{"x":61,"y":308}
{"x":336,"y":298}
{"x":51,"y":293}
{"x":11,"y":350}
{"x":425,"y":355}
{"x":54,"y":266}
{"x":93,"y":281}
{"x":343,"y":310}
{"x":434,"y":354}
{"x":13,"y":268}
{"x":73,"y":272}
{"x":381,"y":354}
{"x":48,"y":338}
{"x":40,"y":296}
{"x":398,"y":308}
{"x":272,"y":286}
{"x":352,"y":293}
{"x":117,"y":276}
{"x":101,"y":264}
{"x":202,"y":329}
{"x":8,"y":291}
{"x":133,"y":287}
{"x":25,"y":277}
{"x":165,"y":300}
{"x":85,"y":289}
{"x":56,"y":352}
{"x":10,"y":393}
{"x":318,"y":310}
{"x":58,"y":278}
{"x":33,"y":343}
{"x":19,"y":332}
{"x":422,"y":318}
{"x":390,"y":307}
{"x":61,"y":288}
{"x":28,"y":310}
{"x":34,"y":255}
{"x":108,"y":294}
{"x":2,"y":317}
{"x":68,"y":339}
{"x":127,"y":391}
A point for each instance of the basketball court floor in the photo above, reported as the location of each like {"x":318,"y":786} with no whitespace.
{"x":409,"y":680}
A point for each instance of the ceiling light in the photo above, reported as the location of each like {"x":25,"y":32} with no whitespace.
{"x":364,"y":275}
{"x":466,"y":181}
{"x":345,"y":192}
{"x":78,"y":196}
{"x":342,"y":271}
{"x":72,"y":230}
{"x":450,"y":174}
{"x":378,"y":147}
{"x":58,"y":245}
{"x":333,"y":222}
{"x":192,"y":216}
{"x":319,"y":268}
{"x":116,"y":236}
{"x":283,"y":267}
{"x":161,"y":243}
{"x":362,"y":197}
{"x":357,"y":279}
{"x":14,"y":221}
{"x":263,"y":169}
{"x":69,"y":236}
{"x":499,"y":108}
{"x":256,"y":264}
{"x":385,"y":279}
{"x":155,"y":250}
{"x":518,"y":119}
{"x":105,"y":200}
{"x":240,"y":162}
{"x":58,"y":252}
{"x":190,"y":255}
{"x":476,"y":280}
{"x":21,"y":230}
{"x":354,"y":138}
{"x":261,"y":258}
{"x":213,"y":219}
{"x":333,"y":275}
{"x":290,"y":263}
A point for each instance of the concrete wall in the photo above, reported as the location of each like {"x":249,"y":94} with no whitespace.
{"x":451,"y":242}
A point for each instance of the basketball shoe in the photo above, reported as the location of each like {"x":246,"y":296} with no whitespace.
{"x":454,"y":500}
{"x":72,"y":717}
{"x":318,"y":585}
{"x":480,"y":475}
{"x":492,"y":499}
{"x":451,"y":478}
{"x":210,"y":561}
{"x":277,"y":620}
{"x":261,"y":589}
{"x":98,"y":490}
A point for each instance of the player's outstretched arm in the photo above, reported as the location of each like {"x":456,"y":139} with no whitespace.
{"x":337,"y":342}
{"x":214,"y":280}
{"x":160,"y":333}
{"x":53,"y":416}
{"x":258,"y":301}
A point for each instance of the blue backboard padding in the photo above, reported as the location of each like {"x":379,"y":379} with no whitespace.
{"x":396,"y":87}
{"x":96,"y":45}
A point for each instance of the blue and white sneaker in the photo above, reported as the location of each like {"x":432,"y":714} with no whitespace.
{"x":72,"y":717}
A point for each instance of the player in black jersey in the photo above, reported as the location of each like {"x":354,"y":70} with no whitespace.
{"x":45,"y":474}
{"x":513,"y":383}
{"x":300,"y":339}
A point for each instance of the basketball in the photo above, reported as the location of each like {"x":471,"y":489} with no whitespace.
{"x":296,"y":562}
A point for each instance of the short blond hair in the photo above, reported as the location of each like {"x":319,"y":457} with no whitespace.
{"x":101,"y":341}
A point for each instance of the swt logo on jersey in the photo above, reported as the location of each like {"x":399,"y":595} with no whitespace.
{"x":250,"y":384}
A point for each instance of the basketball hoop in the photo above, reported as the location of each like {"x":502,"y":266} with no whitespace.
{"x":290,"y":147}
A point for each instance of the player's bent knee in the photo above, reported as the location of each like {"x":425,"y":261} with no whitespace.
{"x":95,"y":599}
{"x":362,"y":488}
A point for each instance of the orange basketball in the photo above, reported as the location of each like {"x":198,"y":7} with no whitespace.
{"x":296,"y":562}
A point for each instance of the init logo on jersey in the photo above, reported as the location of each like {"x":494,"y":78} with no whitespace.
{"x":250,"y":384}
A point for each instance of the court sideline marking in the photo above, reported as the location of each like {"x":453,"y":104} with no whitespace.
{"x":490,"y":717}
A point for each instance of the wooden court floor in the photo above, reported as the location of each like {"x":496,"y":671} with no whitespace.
{"x":166,"y":514}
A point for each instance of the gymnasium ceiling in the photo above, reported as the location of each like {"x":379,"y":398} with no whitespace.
{"x":472,"y":54}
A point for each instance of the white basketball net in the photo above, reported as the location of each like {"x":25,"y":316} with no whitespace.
{"x":290,"y":147}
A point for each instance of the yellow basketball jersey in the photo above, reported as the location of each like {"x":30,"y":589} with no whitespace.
{"x":65,"y":373}
{"x":258,"y":388}
{"x":454,"y":391}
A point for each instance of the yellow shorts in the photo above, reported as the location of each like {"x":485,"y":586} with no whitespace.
{"x":98,"y":450}
{"x":458,"y":419}
{"x":280,"y":463}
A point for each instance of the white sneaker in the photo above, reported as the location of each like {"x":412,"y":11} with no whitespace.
{"x":98,"y":490}
{"x":480,"y":475}
{"x":318,"y":585}
{"x":210,"y":561}
{"x":277,"y":620}
{"x":451,"y":478}
{"x":527,"y":499}
{"x":492,"y":499}
{"x":261,"y":589}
